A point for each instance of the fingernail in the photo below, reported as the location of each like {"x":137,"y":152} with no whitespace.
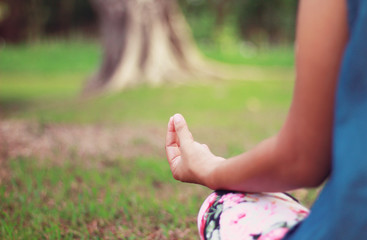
{"x":177,"y":118}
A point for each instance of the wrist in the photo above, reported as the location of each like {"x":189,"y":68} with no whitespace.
{"x":211,"y":178}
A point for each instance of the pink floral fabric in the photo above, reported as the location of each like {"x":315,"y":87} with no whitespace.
{"x":228,"y":215}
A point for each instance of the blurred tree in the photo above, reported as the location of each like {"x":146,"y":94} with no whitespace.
{"x":144,"y":41}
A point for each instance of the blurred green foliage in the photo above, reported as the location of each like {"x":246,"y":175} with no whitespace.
{"x":258,"y":22}
{"x":31,"y":20}
{"x":213,"y":22}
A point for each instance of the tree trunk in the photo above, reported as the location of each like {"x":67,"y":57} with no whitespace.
{"x":144,"y":41}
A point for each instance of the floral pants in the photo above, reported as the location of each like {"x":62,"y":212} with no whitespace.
{"x":228,"y":215}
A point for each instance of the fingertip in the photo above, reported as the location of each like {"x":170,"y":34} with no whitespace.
{"x":178,"y":118}
{"x":171,"y":124}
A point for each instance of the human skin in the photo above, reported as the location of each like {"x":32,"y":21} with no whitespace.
{"x":299,"y":155}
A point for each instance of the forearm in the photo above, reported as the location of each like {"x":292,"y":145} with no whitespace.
{"x":273,"y":165}
{"x":251,"y":171}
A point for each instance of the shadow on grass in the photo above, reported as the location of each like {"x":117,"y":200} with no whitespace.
{"x":13,"y":106}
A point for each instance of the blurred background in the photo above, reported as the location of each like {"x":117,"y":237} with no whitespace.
{"x":86,"y":91}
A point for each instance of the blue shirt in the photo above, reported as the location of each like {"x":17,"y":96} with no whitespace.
{"x":340,"y":212}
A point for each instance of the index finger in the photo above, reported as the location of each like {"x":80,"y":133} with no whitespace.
{"x":171,"y":136}
{"x":172,"y":150}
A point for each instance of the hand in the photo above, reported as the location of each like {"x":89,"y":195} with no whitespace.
{"x":189,"y":161}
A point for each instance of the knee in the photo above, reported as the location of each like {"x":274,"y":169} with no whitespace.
{"x":212,"y":208}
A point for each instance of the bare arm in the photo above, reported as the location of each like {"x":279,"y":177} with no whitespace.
{"x":300,"y":154}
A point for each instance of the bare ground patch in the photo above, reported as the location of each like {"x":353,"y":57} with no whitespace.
{"x":58,"y":142}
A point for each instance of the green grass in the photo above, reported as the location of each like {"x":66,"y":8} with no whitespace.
{"x":117,"y":198}
{"x":99,"y":197}
{"x":82,"y":56}
{"x":50,"y":57}
{"x":42,"y":102}
{"x":252,"y":56}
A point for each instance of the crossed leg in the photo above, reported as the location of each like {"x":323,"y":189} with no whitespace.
{"x":227,"y":215}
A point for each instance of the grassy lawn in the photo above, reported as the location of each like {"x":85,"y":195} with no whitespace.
{"x":75,"y":168}
{"x":113,"y":199}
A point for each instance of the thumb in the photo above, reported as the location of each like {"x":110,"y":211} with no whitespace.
{"x":183,"y":132}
